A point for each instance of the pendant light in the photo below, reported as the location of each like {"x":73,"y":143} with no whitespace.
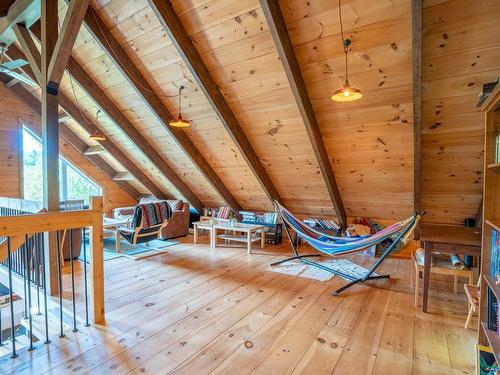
{"x":346,"y":93}
{"x":97,"y":136}
{"x":179,"y":122}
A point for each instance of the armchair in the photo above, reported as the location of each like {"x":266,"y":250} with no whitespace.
{"x":148,"y":221}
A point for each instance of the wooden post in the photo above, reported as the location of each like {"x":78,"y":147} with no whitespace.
{"x":50,"y":134}
{"x":417,"y":104}
{"x":97,"y":266}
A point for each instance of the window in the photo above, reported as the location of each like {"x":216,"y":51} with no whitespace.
{"x":72,"y":183}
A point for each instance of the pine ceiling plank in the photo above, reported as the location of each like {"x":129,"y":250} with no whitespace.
{"x":70,"y":108}
{"x":108,"y":106}
{"x":173,"y":26}
{"x":136,"y":79}
{"x":72,"y":138}
{"x":284,"y":46}
{"x":417,"y":8}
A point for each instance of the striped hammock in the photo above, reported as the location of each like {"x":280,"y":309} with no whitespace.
{"x":332,"y":245}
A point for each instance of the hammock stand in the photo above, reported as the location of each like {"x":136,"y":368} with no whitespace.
{"x":341,"y":244}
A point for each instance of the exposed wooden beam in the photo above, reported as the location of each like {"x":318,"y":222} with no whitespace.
{"x":50,"y":134}
{"x":29,"y":49}
{"x":63,"y":117}
{"x":71,"y":109}
{"x":115,"y":51}
{"x":107,"y":105}
{"x":94,"y":150}
{"x":67,"y":36}
{"x":123,"y":176}
{"x":291,"y":66}
{"x":173,"y":26}
{"x":417,"y":102}
{"x":31,"y":101}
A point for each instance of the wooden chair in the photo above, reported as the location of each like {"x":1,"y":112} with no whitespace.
{"x":473,"y":292}
{"x":440,"y":267}
{"x":139,"y":234}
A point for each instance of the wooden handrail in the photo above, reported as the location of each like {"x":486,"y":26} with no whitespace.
{"x":17,"y":227}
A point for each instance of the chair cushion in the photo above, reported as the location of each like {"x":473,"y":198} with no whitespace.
{"x":150,"y":214}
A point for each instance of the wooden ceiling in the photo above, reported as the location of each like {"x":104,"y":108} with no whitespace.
{"x":369,"y":142}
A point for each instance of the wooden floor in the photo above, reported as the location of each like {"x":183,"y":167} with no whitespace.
{"x":194,"y":310}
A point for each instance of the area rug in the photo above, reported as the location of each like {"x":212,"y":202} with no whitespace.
{"x":311,"y":272}
{"x":126,"y":248}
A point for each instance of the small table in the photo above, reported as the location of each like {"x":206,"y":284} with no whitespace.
{"x":204,"y":225}
{"x":246,"y":229}
{"x":113,"y":226}
{"x":446,"y":239}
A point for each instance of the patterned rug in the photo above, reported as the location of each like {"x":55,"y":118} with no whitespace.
{"x":311,"y":272}
{"x":109,"y":247}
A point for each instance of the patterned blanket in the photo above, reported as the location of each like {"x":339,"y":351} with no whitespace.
{"x":151,"y":214}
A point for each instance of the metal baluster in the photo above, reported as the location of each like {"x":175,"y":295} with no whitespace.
{"x":44,"y":280}
{"x":23,"y":272}
{"x":59,"y":271}
{"x":1,"y":329}
{"x":28,"y":273}
{"x":85,"y":279}
{"x":72,"y":278}
{"x":12,"y":327}
{"x":36,"y":249}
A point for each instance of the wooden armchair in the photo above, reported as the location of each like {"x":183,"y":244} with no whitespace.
{"x":147,"y":224}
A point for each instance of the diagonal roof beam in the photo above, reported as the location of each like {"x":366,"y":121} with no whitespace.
{"x":71,"y":109}
{"x":115,"y":51}
{"x":31,"y":101}
{"x":286,"y":52}
{"x":107,"y":105}
{"x":30,"y":49}
{"x":67,"y":36}
{"x":173,"y":26}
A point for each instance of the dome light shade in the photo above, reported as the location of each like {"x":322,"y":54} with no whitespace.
{"x":179,"y":122}
{"x":346,"y":94}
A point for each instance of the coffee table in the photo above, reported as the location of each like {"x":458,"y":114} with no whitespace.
{"x":249,"y":234}
{"x":207,"y":225}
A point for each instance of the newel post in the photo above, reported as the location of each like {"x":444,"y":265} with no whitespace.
{"x":97,"y":266}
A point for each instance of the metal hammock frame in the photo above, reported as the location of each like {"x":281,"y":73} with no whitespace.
{"x":405,"y":231}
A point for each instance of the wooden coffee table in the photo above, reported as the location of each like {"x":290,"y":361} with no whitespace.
{"x":204,"y":225}
{"x":249,"y":234}
{"x":112,"y":226}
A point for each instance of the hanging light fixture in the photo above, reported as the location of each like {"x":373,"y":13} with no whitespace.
{"x":346,"y":93}
{"x":179,"y":122}
{"x":97,"y":136}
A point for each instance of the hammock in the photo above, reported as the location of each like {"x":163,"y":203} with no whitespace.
{"x":335,"y":246}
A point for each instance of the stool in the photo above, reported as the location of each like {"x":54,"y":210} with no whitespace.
{"x":440,"y":267}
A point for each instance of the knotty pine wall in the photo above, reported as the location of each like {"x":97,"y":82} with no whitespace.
{"x":13,"y":114}
{"x":461,"y":51}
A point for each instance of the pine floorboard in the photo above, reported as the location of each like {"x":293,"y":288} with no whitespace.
{"x":197,"y":310}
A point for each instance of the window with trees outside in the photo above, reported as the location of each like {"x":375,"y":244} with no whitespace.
{"x":73,"y":185}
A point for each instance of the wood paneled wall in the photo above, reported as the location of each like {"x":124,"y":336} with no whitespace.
{"x":461,"y":51}
{"x":11,"y":113}
{"x":14,"y":113}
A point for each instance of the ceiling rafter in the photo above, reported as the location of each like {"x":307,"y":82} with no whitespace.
{"x":174,"y":28}
{"x":31,"y":101}
{"x":71,"y":109}
{"x":291,"y":66}
{"x":125,"y":64}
